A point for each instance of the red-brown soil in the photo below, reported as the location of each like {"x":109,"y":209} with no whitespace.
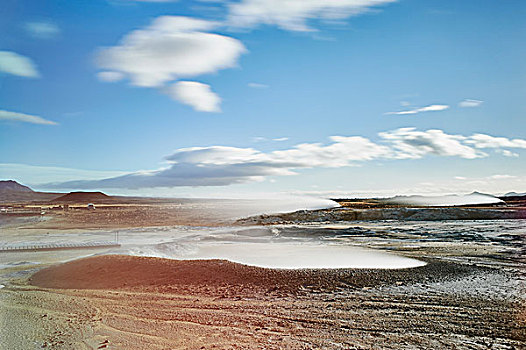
{"x":150,"y":303}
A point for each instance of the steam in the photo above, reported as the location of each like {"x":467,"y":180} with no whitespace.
{"x":446,"y":200}
{"x":286,"y":204}
{"x":300,"y":256}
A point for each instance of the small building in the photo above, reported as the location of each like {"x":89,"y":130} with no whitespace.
{"x":91,"y":206}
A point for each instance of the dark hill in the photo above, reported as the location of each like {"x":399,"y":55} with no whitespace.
{"x":515,"y":199}
{"x":13,"y":186}
{"x":84,"y":197}
{"x":13,"y":192}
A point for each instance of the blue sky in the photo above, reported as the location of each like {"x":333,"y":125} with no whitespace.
{"x":226,"y":98}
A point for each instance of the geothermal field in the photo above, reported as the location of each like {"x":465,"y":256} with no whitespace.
{"x":229,"y":274}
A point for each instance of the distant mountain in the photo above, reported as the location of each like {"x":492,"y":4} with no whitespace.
{"x":514,"y":199}
{"x":84,"y":197}
{"x":514,"y":194}
{"x":13,"y":186}
{"x":13,"y":192}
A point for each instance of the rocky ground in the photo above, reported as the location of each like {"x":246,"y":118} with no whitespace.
{"x":374,"y":214}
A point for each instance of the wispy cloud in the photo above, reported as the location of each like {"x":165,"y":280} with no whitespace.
{"x":197,"y":95}
{"x":501,"y":177}
{"x":257,"y":85}
{"x":488,"y":141}
{"x":430,"y":108}
{"x":26,"y":118}
{"x":42,"y":29}
{"x":295,"y":15}
{"x":15,"y":64}
{"x":169,"y":49}
{"x":223,"y":165}
{"x":266,"y":139}
{"x":467,"y":103}
{"x":507,"y":153}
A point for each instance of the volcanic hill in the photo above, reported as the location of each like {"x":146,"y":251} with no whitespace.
{"x":84,"y":197}
{"x":13,"y":192}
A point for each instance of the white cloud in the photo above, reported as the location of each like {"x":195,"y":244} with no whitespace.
{"x":169,"y":49}
{"x":410,"y":143}
{"x":343,"y":151}
{"x":42,"y":29}
{"x":222,"y":165}
{"x":487,"y":141}
{"x":430,"y":108}
{"x":26,"y":118}
{"x":214,"y":155}
{"x":468,"y":103}
{"x":257,"y":85}
{"x":295,"y":14}
{"x":15,"y":64}
{"x":265,"y":139}
{"x":197,"y":95}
